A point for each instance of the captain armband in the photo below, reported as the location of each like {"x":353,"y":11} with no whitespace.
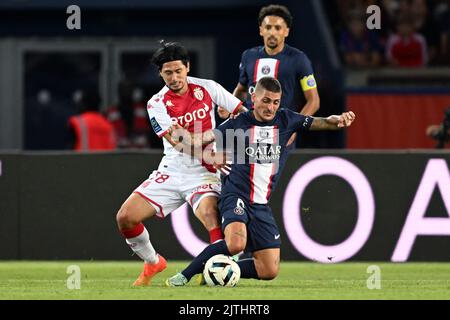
{"x":308,"y":83}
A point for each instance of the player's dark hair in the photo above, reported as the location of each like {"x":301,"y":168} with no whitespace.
{"x":275,"y":10}
{"x":269,"y":83}
{"x":170,"y":51}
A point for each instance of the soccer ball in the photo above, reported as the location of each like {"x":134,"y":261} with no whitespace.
{"x":221,"y":270}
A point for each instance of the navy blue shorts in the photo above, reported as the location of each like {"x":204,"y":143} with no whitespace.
{"x":262,"y":230}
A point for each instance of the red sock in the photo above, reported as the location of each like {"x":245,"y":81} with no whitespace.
{"x":134,"y":232}
{"x":215,"y":234}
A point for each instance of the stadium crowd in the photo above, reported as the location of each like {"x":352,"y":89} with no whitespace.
{"x":414,"y":33}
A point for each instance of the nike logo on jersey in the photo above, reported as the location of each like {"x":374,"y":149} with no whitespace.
{"x":277,"y":237}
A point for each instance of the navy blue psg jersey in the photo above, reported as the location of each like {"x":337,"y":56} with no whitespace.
{"x":291,"y":67}
{"x":259,"y":152}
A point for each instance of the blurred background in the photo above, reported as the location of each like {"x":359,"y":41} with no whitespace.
{"x":397,"y":91}
{"x":396,"y":79}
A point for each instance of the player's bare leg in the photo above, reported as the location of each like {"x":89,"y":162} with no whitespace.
{"x":267,"y":263}
{"x":236,"y":237}
{"x":208,"y":214}
{"x":235,"y":241}
{"x":129,"y":220}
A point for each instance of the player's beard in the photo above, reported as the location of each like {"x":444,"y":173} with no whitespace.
{"x":177,"y":87}
{"x":272,"y":42}
{"x":268,"y":116}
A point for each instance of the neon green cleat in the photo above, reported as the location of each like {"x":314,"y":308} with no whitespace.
{"x":200,"y":279}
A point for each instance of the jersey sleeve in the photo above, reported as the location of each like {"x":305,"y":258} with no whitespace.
{"x":296,"y":121}
{"x":223,"y":98}
{"x":159,"y":118}
{"x":306,"y":73}
{"x":220,"y":133}
{"x":243,"y":76}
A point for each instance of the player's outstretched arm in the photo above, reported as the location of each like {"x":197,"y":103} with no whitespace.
{"x":224,"y":114}
{"x":194,"y":145}
{"x":333,"y":122}
{"x":196,"y":140}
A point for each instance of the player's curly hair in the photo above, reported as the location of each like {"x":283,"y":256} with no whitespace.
{"x":275,"y":10}
{"x":170,"y":51}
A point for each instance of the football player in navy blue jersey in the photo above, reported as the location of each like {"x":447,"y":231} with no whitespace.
{"x":277,"y":59}
{"x":257,"y":140}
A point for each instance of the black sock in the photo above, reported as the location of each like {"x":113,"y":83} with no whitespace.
{"x":197,"y":265}
{"x":248,"y":269}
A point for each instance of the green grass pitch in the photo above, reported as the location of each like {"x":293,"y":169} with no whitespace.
{"x":296,"y":281}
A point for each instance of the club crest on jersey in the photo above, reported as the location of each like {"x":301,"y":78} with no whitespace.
{"x":198,"y":94}
{"x":265,"y":70}
{"x":264,"y":133}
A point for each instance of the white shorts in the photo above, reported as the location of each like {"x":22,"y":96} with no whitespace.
{"x":166,"y":192}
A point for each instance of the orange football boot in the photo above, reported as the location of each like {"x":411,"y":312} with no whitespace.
{"x":150,"y":270}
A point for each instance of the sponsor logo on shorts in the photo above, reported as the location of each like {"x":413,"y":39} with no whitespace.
{"x":207,"y":187}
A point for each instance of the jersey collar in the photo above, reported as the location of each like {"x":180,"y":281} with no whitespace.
{"x":262,"y":50}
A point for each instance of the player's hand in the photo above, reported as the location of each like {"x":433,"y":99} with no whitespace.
{"x":234,"y":115}
{"x":180,"y":134}
{"x":223,"y":114}
{"x":220,"y":160}
{"x":346,"y":119}
{"x":223,"y":162}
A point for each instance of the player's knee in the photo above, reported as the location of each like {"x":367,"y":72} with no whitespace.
{"x":235,"y":246}
{"x":266,"y":270}
{"x":125,"y":218}
{"x":268,"y":273}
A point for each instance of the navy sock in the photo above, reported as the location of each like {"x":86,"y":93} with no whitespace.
{"x":197,"y":265}
{"x":248,"y":269}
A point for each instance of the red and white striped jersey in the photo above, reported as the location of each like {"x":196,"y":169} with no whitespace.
{"x":196,"y":108}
